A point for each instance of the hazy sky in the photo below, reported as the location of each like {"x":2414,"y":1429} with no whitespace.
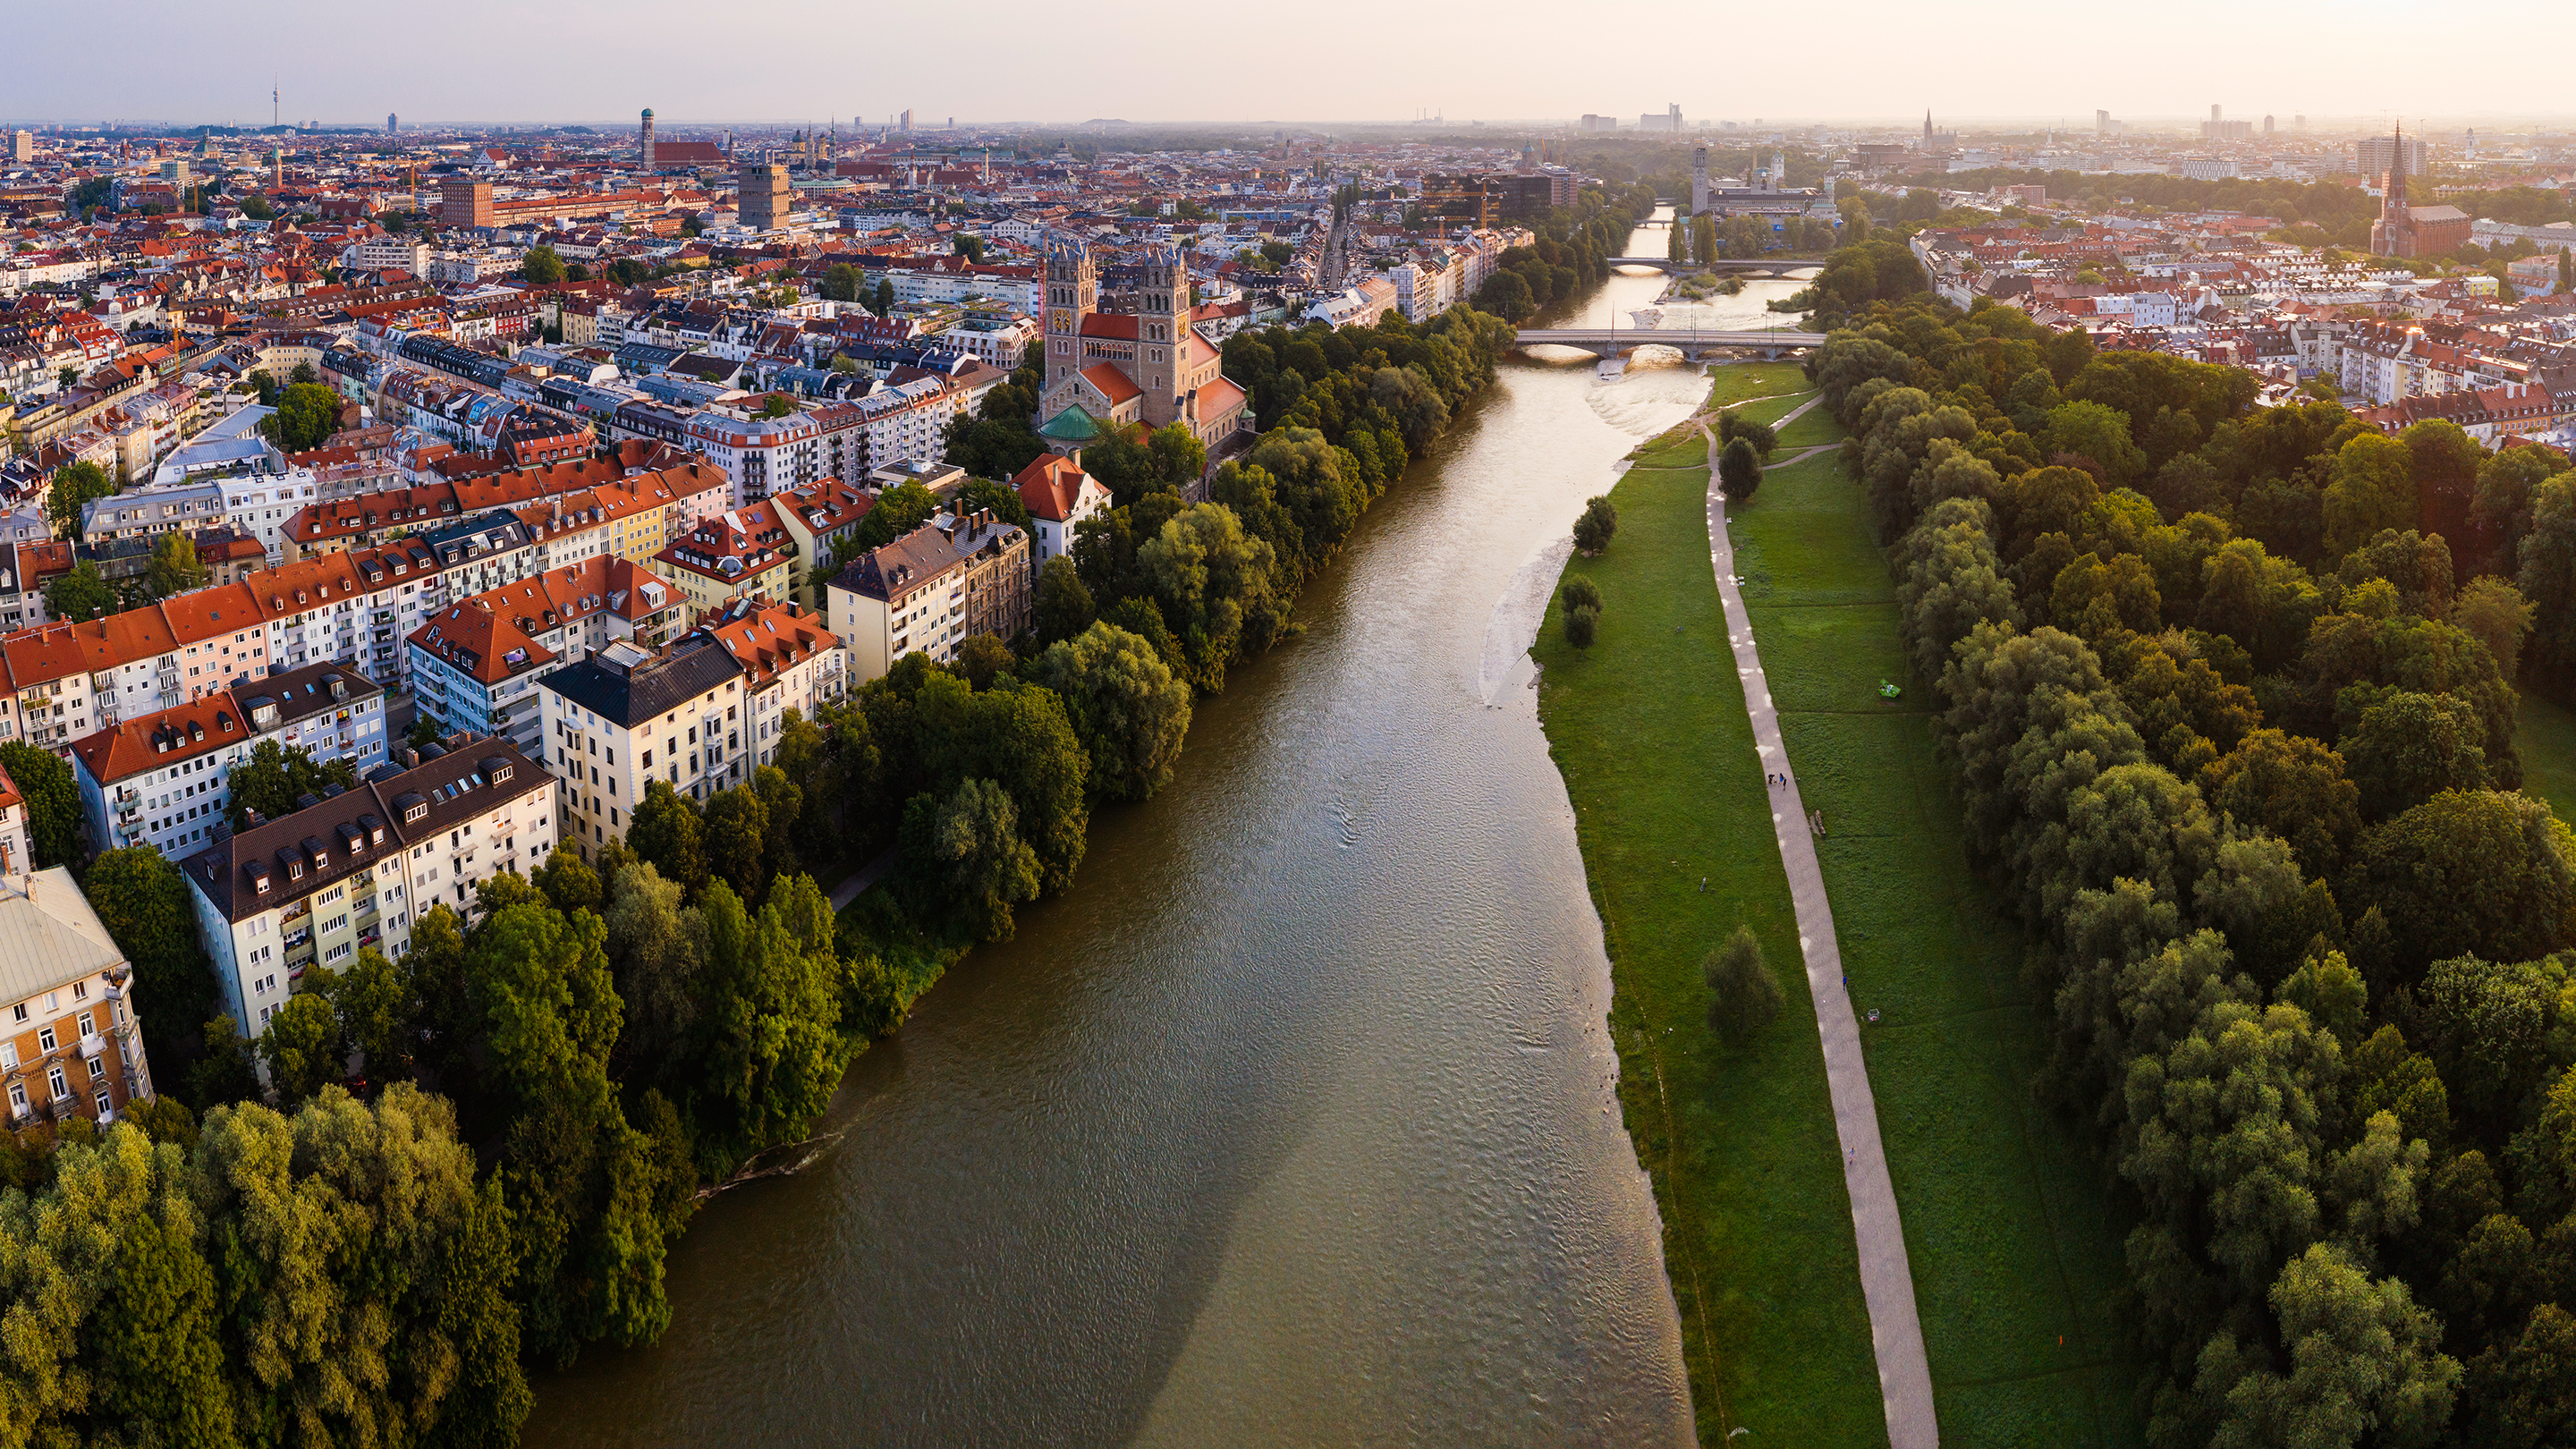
{"x":584,"y":60}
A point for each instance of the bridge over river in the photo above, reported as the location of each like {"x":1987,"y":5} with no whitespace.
{"x":1741,"y":266}
{"x":1693,"y":344}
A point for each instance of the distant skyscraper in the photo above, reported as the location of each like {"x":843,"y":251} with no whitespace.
{"x":2267,"y":125}
{"x":1675,"y":107}
{"x":22,"y":147}
{"x":1699,"y":181}
{"x":2101,"y":123}
{"x":393,"y":123}
{"x":2213,"y":113}
{"x":907,"y":122}
{"x":645,"y":144}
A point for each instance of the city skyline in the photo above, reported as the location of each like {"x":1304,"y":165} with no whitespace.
{"x":1343,"y":63}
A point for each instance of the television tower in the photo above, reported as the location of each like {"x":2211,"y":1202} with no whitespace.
{"x":272,"y":103}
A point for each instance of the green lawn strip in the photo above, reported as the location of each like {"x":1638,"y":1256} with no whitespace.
{"x":1772,"y":409}
{"x":2545,"y":736}
{"x":1735,"y":382}
{"x":1649,"y":729}
{"x":1813,"y":427}
{"x":2016,"y":1263}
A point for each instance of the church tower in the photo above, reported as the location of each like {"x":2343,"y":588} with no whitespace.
{"x":1163,"y":323}
{"x":2393,"y":235}
{"x":645,"y":141}
{"x":1073,"y":293}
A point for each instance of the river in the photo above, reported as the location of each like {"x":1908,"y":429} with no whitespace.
{"x":1294,"y":1122}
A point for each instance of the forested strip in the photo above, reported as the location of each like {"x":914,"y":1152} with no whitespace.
{"x":2230,"y":699}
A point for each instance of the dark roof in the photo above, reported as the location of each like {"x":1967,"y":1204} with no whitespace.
{"x":356,"y":828}
{"x":303,"y":693}
{"x":630,"y":693}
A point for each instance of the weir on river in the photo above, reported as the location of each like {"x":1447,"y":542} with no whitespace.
{"x":1294,"y":1121}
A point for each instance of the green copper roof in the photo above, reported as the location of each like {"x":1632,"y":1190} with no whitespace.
{"x":1071,"y":425}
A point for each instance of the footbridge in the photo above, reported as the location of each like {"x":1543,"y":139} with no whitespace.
{"x":1692,"y":344}
{"x":1739,"y":266}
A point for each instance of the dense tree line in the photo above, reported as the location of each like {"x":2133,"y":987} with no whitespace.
{"x":2229,"y":696}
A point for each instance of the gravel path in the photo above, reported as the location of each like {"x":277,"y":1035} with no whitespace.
{"x":1887,"y":1283}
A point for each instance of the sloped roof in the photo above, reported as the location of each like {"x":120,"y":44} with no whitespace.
{"x":48,"y":934}
{"x":1073,"y":425}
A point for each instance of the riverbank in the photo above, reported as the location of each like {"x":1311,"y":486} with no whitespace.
{"x":2016,"y":1261}
{"x":1648,"y":729}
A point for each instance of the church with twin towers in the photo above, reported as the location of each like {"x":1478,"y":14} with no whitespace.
{"x":1133,"y":358}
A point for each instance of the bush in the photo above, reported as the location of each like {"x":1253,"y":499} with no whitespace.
{"x":1580,"y":625}
{"x":1731,"y":426}
{"x":1582,"y":593}
{"x":1739,"y":471}
{"x":1747,"y":996}
{"x":1600,"y":520}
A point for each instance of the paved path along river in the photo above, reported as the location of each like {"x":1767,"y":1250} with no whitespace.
{"x":1294,"y":1122}
{"x":1887,"y":1283}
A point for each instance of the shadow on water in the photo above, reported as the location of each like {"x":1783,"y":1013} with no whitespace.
{"x":1294,"y":1123}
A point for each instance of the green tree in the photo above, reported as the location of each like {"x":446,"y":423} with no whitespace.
{"x":53,"y":801}
{"x":542,"y":266}
{"x":1593,"y":528}
{"x":841,"y":282}
{"x":81,"y":595}
{"x":2365,"y":1364}
{"x":272,"y":779}
{"x":155,"y":1345}
{"x":771,"y":1053}
{"x":2495,"y":613}
{"x":371,"y":1001}
{"x":2372,"y":488}
{"x":550,"y":1012}
{"x":898,"y":511}
{"x":658,"y":947}
{"x":2408,"y":747}
{"x":1744,"y":995}
{"x":967,"y":860}
{"x":1582,"y":626}
{"x":1064,"y":607}
{"x":1129,"y":711}
{"x":2470,"y":873}
{"x":301,"y":1046}
{"x":783,"y":800}
{"x":307,"y":415}
{"x":736,"y":833}
{"x":568,"y":881}
{"x":74,"y":484}
{"x":666,"y":832}
{"x":2292,"y":787}
{"x":175,"y":568}
{"x":1581,"y":593}
{"x":140,"y":898}
{"x":2523,"y":1392}
{"x":2091,"y":430}
{"x":1739,"y":471}
{"x":227,"y":1071}
{"x":883,"y":305}
{"x":983,"y":658}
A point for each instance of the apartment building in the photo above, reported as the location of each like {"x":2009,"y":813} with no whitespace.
{"x":820,"y":518}
{"x":312,"y":889}
{"x":738,"y":554}
{"x":789,"y":660}
{"x":73,"y":1043}
{"x":475,"y":666}
{"x":163,"y":780}
{"x":622,"y":718}
{"x":929,"y":591}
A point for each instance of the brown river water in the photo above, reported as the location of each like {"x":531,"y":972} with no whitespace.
{"x":1294,"y":1123}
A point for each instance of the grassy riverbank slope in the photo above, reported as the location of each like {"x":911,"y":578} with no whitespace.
{"x":2016,"y":1262}
{"x":1648,"y":727}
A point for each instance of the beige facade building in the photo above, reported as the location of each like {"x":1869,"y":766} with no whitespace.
{"x":930,"y":591}
{"x":353,"y":872}
{"x":70,"y":1041}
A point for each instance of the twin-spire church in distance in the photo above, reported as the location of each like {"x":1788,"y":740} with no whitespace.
{"x":1144,"y":362}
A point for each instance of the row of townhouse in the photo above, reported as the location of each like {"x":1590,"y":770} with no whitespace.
{"x":929,"y":591}
{"x":355,"y":870}
{"x":907,"y":417}
{"x":475,"y":664}
{"x":700,"y":714}
{"x":162,"y":780}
